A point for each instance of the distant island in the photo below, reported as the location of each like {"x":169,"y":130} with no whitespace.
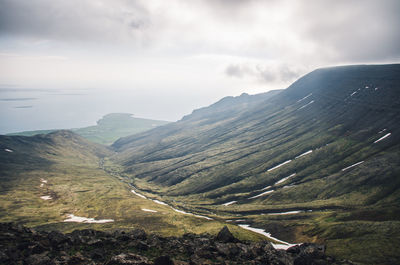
{"x":109,"y":128}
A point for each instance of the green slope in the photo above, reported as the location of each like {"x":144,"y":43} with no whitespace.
{"x":109,"y":128}
{"x":347,"y":183}
{"x":69,"y":169}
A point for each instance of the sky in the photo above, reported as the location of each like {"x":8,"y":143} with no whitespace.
{"x":170,"y":57}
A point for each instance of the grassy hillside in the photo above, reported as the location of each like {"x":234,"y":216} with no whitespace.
{"x":45,"y":178}
{"x":334,"y":133}
{"x":109,"y":128}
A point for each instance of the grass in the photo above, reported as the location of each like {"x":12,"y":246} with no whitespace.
{"x":79,"y":185}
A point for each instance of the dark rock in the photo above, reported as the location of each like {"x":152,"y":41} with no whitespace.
{"x":97,"y":254}
{"x":56,"y":238}
{"x":128,"y":258}
{"x":163,"y":260}
{"x":79,"y":259}
{"x":225,"y":235}
{"x":37,"y":248}
{"x":141,"y":245}
{"x":139,"y":234}
{"x":228,"y":250}
{"x":24,"y":246}
{"x":39,"y":260}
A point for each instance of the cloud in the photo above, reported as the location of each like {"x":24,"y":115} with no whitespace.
{"x":77,"y":20}
{"x":351,"y":30}
{"x":267,"y":73}
{"x":309,"y":32}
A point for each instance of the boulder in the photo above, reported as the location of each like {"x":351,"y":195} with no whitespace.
{"x":129,"y":258}
{"x":163,"y":260}
{"x":225,"y":236}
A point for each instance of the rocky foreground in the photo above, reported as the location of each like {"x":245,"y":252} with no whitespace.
{"x":21,"y":245}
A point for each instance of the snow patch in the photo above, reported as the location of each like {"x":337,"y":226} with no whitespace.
{"x":352,"y":94}
{"x":229,"y":203}
{"x":148,"y":210}
{"x":281,"y":245}
{"x":41,"y":185}
{"x":383,"y":137}
{"x":275,"y":167}
{"x":284,"y":179}
{"x":78,"y":219}
{"x":356,"y":164}
{"x":46,"y":197}
{"x":266,"y":188}
{"x":8,"y":150}
{"x":262,"y":194}
{"x":303,"y":154}
{"x":312,"y":101}
{"x":382,"y":131}
{"x":195,"y":215}
{"x":43,"y":180}
{"x":376,"y":88}
{"x":300,"y":100}
{"x":284,"y":213}
{"x":288,"y":186}
{"x":138,"y":194}
{"x":159,"y":202}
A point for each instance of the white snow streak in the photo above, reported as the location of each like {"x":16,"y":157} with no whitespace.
{"x":383,"y":137}
{"x":138,"y":194}
{"x":266,"y":188}
{"x":160,"y":202}
{"x":284,"y":179}
{"x":281,"y":245}
{"x":262,"y":194}
{"x":275,"y":167}
{"x":303,"y":154}
{"x":78,"y":219}
{"x":229,"y":203}
{"x":284,"y":213}
{"x":312,"y":101}
{"x":8,"y":150}
{"x":148,"y":210}
{"x":45,"y":197}
{"x":163,"y":203}
{"x":356,"y":164}
{"x":300,"y":100}
{"x":196,"y":215}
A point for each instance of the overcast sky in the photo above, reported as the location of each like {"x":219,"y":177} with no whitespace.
{"x":188,"y":53}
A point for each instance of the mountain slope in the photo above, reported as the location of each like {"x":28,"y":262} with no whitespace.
{"x":328,"y":144}
{"x":58,"y":181}
{"x":267,"y":134}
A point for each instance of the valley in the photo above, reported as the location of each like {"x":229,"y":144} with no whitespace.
{"x":317,"y":162}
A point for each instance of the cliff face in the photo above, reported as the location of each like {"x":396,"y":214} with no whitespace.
{"x":21,"y":245}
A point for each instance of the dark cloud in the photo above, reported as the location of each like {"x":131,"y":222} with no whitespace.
{"x":72,"y":20}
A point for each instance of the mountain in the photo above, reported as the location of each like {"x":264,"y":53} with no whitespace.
{"x":319,"y":161}
{"x":109,"y":128}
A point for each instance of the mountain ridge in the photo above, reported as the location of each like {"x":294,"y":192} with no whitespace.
{"x":333,"y":135}
{"x":317,"y":162}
